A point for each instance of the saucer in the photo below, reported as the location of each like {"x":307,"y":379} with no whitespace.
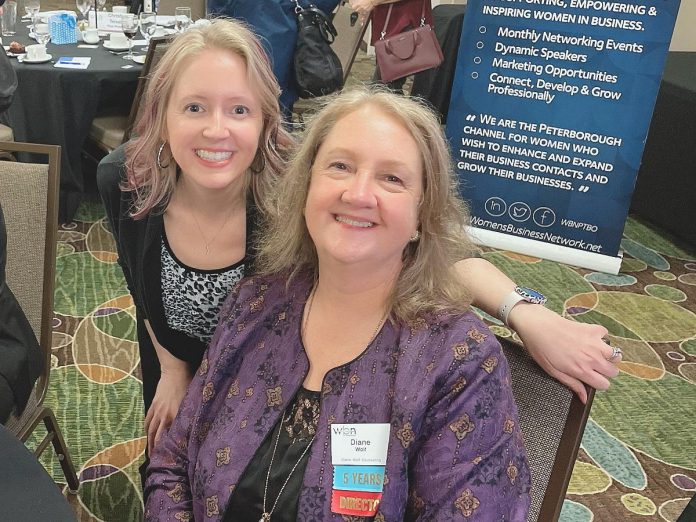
{"x":139,"y":59}
{"x":111,"y":47}
{"x":45,"y":59}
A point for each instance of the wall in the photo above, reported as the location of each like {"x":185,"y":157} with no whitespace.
{"x":684,"y":38}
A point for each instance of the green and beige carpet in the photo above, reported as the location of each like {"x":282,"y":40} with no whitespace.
{"x":638,"y":457}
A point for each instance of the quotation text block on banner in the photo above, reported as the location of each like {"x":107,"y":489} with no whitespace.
{"x":550,"y":109}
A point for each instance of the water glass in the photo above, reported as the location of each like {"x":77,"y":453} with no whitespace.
{"x":84,"y":6}
{"x":129,"y":25}
{"x":42,"y":33}
{"x":148,"y":25}
{"x":8,"y":18}
{"x":182,"y":18}
{"x":32,"y":8}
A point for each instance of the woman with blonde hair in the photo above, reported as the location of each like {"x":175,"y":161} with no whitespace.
{"x":350,"y":376}
{"x":185,"y":197}
{"x":184,"y":201}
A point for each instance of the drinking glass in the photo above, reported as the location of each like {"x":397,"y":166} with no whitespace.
{"x":129,"y":25}
{"x":182,"y":18}
{"x":8,"y":18}
{"x":42,"y":33}
{"x":148,"y":25}
{"x":83,"y":6}
{"x":32,"y":8}
{"x":101,"y":4}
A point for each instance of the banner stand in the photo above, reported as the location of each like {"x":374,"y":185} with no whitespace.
{"x":549,"y":112}
{"x":532,"y":247}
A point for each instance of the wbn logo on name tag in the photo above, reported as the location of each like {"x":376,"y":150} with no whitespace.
{"x":359,"y":444}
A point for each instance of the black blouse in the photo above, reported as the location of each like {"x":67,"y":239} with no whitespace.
{"x":293,"y":435}
{"x":139,"y":253}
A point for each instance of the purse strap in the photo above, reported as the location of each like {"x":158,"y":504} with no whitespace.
{"x":318,"y":18}
{"x":389,"y":12}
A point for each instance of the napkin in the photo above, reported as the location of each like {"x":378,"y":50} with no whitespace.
{"x":75,"y":62}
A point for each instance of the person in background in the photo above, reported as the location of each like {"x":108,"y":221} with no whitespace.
{"x":275,"y":23}
{"x":20,"y":354}
{"x":405,"y":15}
{"x":186,"y":198}
{"x":357,"y":329}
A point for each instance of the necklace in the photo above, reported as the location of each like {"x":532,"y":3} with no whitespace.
{"x":200,"y":230}
{"x":310,"y":302}
{"x":266,"y":515}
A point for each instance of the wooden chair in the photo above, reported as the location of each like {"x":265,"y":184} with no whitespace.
{"x":29,"y":196}
{"x":349,"y":37}
{"x":109,"y":131}
{"x":6,"y":134}
{"x":552,"y":420}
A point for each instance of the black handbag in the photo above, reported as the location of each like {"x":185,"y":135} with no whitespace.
{"x":318,"y":70}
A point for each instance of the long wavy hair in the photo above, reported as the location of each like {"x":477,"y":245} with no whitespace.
{"x":153,"y":186}
{"x":427,"y":281}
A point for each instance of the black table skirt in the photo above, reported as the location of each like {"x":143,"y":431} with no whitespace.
{"x":57,"y":106}
{"x":27,"y":492}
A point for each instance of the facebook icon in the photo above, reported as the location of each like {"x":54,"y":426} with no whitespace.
{"x":544,"y":217}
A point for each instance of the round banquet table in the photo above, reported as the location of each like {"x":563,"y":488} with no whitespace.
{"x":27,"y":492}
{"x":56,"y":106}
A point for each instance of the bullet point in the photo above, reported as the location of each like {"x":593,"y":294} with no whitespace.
{"x":477,"y":60}
{"x":474,"y":75}
{"x":482,"y":29}
{"x":479,"y":45}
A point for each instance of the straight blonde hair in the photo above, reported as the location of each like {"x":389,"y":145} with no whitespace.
{"x":428,"y":281}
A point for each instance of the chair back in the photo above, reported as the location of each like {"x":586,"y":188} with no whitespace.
{"x":29,"y":197}
{"x":552,"y":420}
{"x":348,"y":39}
{"x":167,"y":7}
{"x":155,"y":50}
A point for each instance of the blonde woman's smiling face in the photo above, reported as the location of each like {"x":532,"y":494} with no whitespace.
{"x":214,"y":120}
{"x":365,"y":187}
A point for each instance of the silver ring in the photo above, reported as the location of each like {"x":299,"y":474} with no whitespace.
{"x":615,"y":353}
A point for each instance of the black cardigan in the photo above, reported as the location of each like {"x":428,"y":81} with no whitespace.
{"x":139,"y":246}
{"x":20,"y":354}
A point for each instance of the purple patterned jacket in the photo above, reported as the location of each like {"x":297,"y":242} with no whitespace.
{"x":455,"y":450}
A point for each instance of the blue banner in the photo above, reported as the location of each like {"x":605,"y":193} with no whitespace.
{"x":550,"y":109}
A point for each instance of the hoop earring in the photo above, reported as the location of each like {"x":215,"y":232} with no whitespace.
{"x":252,"y":167}
{"x":159,"y":157}
{"x":415,"y":237}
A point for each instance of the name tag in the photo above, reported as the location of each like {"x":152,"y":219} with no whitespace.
{"x":359,"y":478}
{"x":357,"y":503}
{"x":359,"y":444}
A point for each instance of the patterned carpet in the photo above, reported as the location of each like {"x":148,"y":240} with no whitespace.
{"x":638,"y":458}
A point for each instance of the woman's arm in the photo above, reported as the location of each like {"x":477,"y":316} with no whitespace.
{"x":365,"y":7}
{"x":168,"y":489}
{"x":171,"y":388}
{"x":571,"y":352}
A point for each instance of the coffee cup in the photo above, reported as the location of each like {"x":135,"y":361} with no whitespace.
{"x":118,"y":40}
{"x":36,"y":52}
{"x":90,"y":36}
{"x":120,"y":9}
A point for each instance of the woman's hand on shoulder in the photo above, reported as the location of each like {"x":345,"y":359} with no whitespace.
{"x":572,"y":352}
{"x":171,"y":389}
